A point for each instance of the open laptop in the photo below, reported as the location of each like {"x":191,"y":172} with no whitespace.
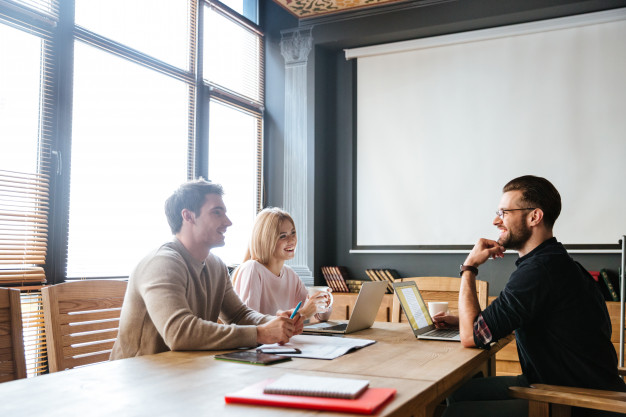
{"x":417,"y":314}
{"x":363,"y":316}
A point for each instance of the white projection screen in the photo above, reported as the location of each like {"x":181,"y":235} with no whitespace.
{"x":443,"y":123}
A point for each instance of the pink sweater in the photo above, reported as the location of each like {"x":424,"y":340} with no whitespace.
{"x":267,"y":293}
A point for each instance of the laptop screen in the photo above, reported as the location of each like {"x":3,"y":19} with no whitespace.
{"x":413,"y":305}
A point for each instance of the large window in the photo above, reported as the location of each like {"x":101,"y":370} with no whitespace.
{"x":104,"y":111}
{"x":234,"y":152}
{"x":123,"y":171}
{"x":26,"y":73}
{"x":130,"y":109}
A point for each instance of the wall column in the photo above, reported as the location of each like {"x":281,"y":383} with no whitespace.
{"x":295,"y":46}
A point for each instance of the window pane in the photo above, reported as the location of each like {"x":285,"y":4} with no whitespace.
{"x":20,"y":68}
{"x":232,"y":55}
{"x":246,"y":8}
{"x":129,"y":152}
{"x":48,"y":7}
{"x":233,"y":162}
{"x":159,"y":28}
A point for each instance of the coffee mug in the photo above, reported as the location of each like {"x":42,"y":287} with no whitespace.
{"x":436,"y":307}
{"x":324,"y":300}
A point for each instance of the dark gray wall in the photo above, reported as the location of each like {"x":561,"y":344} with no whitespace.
{"x":332,"y":81}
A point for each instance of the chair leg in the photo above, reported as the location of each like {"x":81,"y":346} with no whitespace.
{"x":543,"y":409}
{"x":538,"y":409}
{"x":560,"y":410}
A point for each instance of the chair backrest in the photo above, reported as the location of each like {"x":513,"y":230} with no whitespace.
{"x":82,"y":320}
{"x":12,"y":362}
{"x":441,"y":289}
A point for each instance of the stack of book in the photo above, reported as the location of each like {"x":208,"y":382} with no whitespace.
{"x":336,"y":277}
{"x":608,"y":281}
{"x":354,"y":285}
{"x":315,"y":393}
{"x":388,"y":275}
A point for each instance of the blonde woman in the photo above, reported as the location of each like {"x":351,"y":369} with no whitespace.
{"x":263,"y":281}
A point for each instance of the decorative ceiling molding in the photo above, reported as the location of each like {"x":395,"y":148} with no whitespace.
{"x":311,"y":8}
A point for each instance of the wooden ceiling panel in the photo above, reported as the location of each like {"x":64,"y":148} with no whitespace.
{"x":311,"y":8}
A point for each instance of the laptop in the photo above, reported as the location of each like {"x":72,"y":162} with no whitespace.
{"x":363,"y":316}
{"x":417,"y":314}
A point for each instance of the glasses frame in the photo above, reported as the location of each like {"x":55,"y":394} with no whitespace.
{"x":500,"y":213}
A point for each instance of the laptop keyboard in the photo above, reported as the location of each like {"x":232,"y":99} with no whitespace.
{"x":443,"y":333}
{"x":341,"y":326}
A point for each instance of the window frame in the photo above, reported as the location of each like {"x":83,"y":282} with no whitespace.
{"x":64,"y":33}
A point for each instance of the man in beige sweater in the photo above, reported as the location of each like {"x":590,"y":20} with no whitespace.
{"x":177,"y":292}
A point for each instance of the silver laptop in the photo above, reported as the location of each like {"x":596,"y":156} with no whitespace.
{"x":418,"y":316}
{"x":363,"y":316}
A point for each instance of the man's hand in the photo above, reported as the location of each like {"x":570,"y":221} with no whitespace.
{"x":445,"y":321}
{"x":483,"y":250}
{"x":298,"y":321}
{"x":278,"y":330}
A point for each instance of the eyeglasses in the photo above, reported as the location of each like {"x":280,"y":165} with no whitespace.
{"x":501,"y":212}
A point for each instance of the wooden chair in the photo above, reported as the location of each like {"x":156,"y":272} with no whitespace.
{"x":557,"y":401}
{"x":12,"y":362}
{"x":441,"y":289}
{"x":82,"y":320}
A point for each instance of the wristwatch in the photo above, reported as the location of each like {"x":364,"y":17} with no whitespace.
{"x":470,"y":268}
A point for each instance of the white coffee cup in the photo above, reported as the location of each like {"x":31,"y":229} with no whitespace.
{"x":436,"y":307}
{"x":325,"y":300}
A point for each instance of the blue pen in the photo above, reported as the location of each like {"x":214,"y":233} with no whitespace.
{"x":295,"y":310}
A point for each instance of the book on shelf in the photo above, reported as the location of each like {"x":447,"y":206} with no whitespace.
{"x":372,"y":400}
{"x":317,"y":386}
{"x":354,"y":285}
{"x":386,"y":275}
{"x":342,"y":272}
{"x":371,"y":275}
{"x":612,"y":284}
{"x":335,"y":277}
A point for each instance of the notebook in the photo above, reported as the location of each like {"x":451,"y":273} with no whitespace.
{"x":317,"y":386}
{"x":418,"y":316}
{"x":371,"y":401}
{"x":363,"y":316}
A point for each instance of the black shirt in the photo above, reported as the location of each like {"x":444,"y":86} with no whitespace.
{"x":561,"y":322}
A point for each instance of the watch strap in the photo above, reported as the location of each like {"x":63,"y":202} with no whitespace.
{"x":470,"y":268}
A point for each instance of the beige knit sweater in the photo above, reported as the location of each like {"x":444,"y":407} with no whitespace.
{"x":173,"y":302}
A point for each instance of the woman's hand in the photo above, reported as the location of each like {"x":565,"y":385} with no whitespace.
{"x":316,"y":303}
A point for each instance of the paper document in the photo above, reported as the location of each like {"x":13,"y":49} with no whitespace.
{"x":322,"y":347}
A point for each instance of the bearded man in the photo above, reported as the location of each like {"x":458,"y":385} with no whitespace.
{"x":559,"y":316}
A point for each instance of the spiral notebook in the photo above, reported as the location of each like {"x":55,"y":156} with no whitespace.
{"x":317,"y":386}
{"x":371,"y":401}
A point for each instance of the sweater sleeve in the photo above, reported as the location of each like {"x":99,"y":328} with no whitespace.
{"x":163,"y":285}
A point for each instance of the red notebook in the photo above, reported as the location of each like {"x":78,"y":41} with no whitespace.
{"x":369,"y":402}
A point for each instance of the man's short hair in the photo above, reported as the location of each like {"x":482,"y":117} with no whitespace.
{"x":190,"y":196}
{"x":540,"y":193}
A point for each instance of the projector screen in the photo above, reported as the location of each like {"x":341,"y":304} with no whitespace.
{"x":443,"y":123}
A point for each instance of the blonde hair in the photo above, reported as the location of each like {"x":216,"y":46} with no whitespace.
{"x":265,"y":233}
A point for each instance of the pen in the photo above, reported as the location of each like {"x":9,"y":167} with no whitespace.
{"x":295,"y":310}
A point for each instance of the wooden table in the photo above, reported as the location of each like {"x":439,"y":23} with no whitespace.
{"x":194,"y":384}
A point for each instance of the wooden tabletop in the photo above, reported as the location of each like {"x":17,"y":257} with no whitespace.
{"x":194,"y":383}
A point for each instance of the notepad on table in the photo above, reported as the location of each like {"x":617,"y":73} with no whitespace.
{"x":317,"y":386}
{"x":372,"y":400}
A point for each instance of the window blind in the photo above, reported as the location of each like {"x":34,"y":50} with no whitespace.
{"x":25,"y":168}
{"x":233,"y":55}
{"x":33,"y":328}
